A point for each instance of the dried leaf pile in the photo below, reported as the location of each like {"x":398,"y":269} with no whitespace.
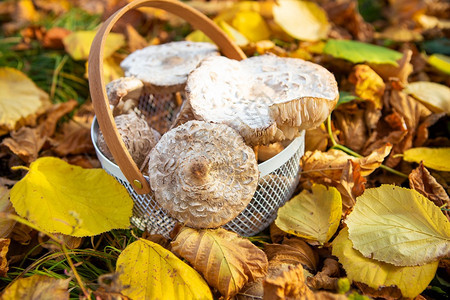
{"x":370,"y":217}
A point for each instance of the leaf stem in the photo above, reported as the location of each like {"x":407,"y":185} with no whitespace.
{"x":63,"y":248}
{"x":351,"y":152}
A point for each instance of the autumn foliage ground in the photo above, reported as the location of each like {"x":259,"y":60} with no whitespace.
{"x":370,"y":217}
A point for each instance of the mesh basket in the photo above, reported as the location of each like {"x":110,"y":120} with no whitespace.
{"x":278,"y":176}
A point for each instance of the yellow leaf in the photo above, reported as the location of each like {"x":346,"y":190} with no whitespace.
{"x":198,"y":36}
{"x":368,"y":85}
{"x":148,"y":271}
{"x":63,"y":198}
{"x":6,"y":225}
{"x":252,"y":25}
{"x":20,"y":99}
{"x":440,"y":62}
{"x":398,"y":226}
{"x":434,"y":158}
{"x":78,"y":44}
{"x":410,"y":280}
{"x":302,"y":20}
{"x":226,"y":260}
{"x":38,"y":287}
{"x":314,"y":216}
{"x":111,"y":68}
{"x":433,"y":95}
{"x":228,"y":14}
{"x":238,"y":37}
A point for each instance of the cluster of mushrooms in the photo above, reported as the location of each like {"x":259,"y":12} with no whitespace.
{"x":202,"y":167}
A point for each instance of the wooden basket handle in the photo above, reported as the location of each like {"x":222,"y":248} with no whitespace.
{"x":97,"y":83}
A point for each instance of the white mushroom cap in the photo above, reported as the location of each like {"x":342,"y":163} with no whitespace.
{"x":203,"y":174}
{"x":138,"y":136}
{"x":265,"y":98}
{"x":123,"y":94}
{"x":164,"y":68}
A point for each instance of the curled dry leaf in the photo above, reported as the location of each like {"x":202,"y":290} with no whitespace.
{"x":327,"y":278}
{"x":351,"y":185}
{"x":293,"y":251}
{"x":73,"y":138}
{"x":422,"y":181}
{"x":21,"y":100}
{"x":330,"y":164}
{"x":4,"y":246}
{"x":398,"y":226}
{"x":316,"y":139}
{"x":368,"y":84}
{"x":225,"y":260}
{"x":93,"y":202}
{"x":376,"y":274}
{"x":38,"y":287}
{"x":148,"y":271}
{"x":312,"y":215}
{"x":352,"y":126}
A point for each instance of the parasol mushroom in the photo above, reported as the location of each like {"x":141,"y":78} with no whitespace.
{"x":203,"y":174}
{"x":265,"y":98}
{"x":138,"y":136}
{"x":123,"y":94}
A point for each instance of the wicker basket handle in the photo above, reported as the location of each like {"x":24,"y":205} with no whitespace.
{"x":97,"y":83}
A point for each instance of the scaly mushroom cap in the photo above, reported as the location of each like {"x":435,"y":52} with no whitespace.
{"x":265,"y":98}
{"x":123,"y":94}
{"x":203,"y":174}
{"x":138,"y":136}
{"x":164,"y":68}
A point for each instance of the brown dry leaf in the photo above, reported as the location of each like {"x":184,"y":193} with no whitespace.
{"x":293,"y":251}
{"x":422,"y":181}
{"x":55,"y":113}
{"x":276,"y":234}
{"x":352,"y":124}
{"x":25,"y":143}
{"x":368,"y":85}
{"x":327,"y":278}
{"x":38,"y":287}
{"x":225,"y":260}
{"x":74,"y":138}
{"x":346,"y":14}
{"x":351,"y":185}
{"x":422,"y":131}
{"x":288,"y":282}
{"x":6,"y":225}
{"x":319,"y":165}
{"x":23,"y":14}
{"x":316,"y":139}
{"x":404,"y":10}
{"x":135,"y":41}
{"x":250,"y":291}
{"x":402,"y":71}
{"x":384,"y":292}
{"x":4,"y":247}
{"x":53,"y":38}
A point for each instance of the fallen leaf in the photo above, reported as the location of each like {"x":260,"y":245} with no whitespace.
{"x":53,"y":38}
{"x":316,"y":139}
{"x":20,"y":101}
{"x":399,"y":33}
{"x":135,"y":41}
{"x":422,"y":181}
{"x":23,"y":14}
{"x":38,"y":287}
{"x":422,"y":132}
{"x":346,"y":97}
{"x":376,"y":274}
{"x":440,"y":62}
{"x":434,"y":96}
{"x":312,"y":215}
{"x":327,"y":278}
{"x":434,"y":158}
{"x":62,"y":198}
{"x":251,"y":24}
{"x":401,"y":10}
{"x":25,"y":143}
{"x":352,"y":126}
{"x":401,"y":70}
{"x":74,"y":138}
{"x":6,"y":225}
{"x":225,"y":260}
{"x":398,"y":226}
{"x":4,"y":246}
{"x":293,"y":251}
{"x":148,"y":271}
{"x":303,"y":20}
{"x":368,"y":85}
{"x":358,"y":52}
{"x":78,"y":44}
{"x":351,"y":185}
{"x":330,"y":164}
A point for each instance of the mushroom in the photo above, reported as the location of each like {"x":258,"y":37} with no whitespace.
{"x":138,"y":136}
{"x":265,"y":98}
{"x":123,"y":94}
{"x":203,"y":174}
{"x":164,"y":68}
{"x":269,"y":151}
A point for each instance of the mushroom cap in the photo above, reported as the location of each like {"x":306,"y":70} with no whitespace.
{"x":203,"y":174}
{"x":123,"y":94}
{"x":265,"y":98}
{"x":138,"y":137}
{"x":164,"y":68}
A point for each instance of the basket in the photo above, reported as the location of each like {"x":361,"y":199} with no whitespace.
{"x":278,"y":176}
